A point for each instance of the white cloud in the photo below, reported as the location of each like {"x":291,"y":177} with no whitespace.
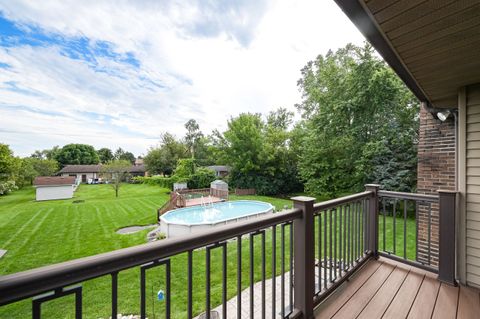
{"x":204,"y":62}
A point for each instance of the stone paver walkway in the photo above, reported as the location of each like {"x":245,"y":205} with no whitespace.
{"x":232,"y":303}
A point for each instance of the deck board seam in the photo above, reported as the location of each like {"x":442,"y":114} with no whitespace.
{"x":416,"y":295}
{"x":396,"y":293}
{"x":376,"y":292}
{"x":353,"y":294}
{"x":458,"y":302}
{"x":436,"y":299}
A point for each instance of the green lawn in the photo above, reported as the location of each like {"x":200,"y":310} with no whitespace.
{"x":42,"y":233}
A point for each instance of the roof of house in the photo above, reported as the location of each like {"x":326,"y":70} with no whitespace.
{"x":81,"y":169}
{"x":54,"y":180}
{"x":219,"y":168}
{"x":137,"y":169}
{"x":432,"y":45}
{"x":74,"y":169}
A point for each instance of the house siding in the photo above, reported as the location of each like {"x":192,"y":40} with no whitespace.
{"x":79,"y":175}
{"x":472,"y":194}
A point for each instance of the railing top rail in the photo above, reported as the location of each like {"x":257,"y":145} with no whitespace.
{"x":339,"y":201}
{"x":29,"y":283}
{"x":182,"y":191}
{"x":410,"y":196}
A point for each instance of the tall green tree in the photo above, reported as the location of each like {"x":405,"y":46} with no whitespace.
{"x":260,"y":154}
{"x":193,"y":136}
{"x":121,"y":155}
{"x":163,"y":158}
{"x":105,"y":155}
{"x":9,"y":164}
{"x":33,"y":167}
{"x":359,"y":124}
{"x":77,"y":154}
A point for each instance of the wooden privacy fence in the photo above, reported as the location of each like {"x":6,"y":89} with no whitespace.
{"x":245,"y":191}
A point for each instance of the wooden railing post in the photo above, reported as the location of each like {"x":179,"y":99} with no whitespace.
{"x":372,"y":220}
{"x":304,"y":257}
{"x":446,"y":262}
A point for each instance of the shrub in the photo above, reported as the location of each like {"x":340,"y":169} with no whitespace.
{"x":7,"y":187}
{"x":165,"y":182}
{"x":201,"y":178}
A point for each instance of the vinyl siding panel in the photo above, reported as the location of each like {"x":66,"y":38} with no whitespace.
{"x":473,"y":186}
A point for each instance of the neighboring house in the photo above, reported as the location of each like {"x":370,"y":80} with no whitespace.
{"x":82,"y":172}
{"x":91,"y":172}
{"x":220,"y":170}
{"x":138,"y":170}
{"x":54,"y":187}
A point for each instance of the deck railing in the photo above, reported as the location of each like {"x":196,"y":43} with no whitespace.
{"x":321,"y":245}
{"x":431,"y":244}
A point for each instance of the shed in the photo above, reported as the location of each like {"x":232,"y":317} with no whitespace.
{"x":54,"y":187}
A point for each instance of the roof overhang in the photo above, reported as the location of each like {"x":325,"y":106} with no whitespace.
{"x":433,"y":45}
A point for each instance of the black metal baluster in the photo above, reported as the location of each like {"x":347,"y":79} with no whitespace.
{"x":319,"y":248}
{"x":224,"y":274}
{"x":334,"y":211}
{"x":251,"y":275}
{"x":364,"y":226}
{"x":168,"y":294}
{"x":405,"y":229}
{"x":354,"y":232}
{"x":394,"y":227}
{"x":283,"y":271}
{"x":207,"y":285}
{"x":416,"y":230}
{"x":429,"y":233}
{"x":142,"y":294}
{"x":274,"y":269}
{"x":291,"y":267}
{"x":264,"y":275}
{"x":349,"y":246}
{"x":344,"y":234}
{"x":359,"y":227}
{"x":190,"y":284}
{"x":384,"y":224}
{"x":114,"y":294}
{"x":330,"y":244}
{"x":325,"y":254}
{"x":239,"y":277}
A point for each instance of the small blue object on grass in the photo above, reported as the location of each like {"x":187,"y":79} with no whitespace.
{"x":161,"y":295}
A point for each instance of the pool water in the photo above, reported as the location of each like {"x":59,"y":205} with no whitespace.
{"x":187,"y":220}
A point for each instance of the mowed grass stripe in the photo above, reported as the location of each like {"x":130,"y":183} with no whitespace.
{"x":22,"y":228}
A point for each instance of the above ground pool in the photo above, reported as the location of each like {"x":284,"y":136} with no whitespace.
{"x":192,"y":219}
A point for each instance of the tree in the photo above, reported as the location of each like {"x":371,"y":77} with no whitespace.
{"x":116,"y":172}
{"x":10,"y":167}
{"x":163,"y":158}
{"x":193,"y":136}
{"x":33,"y":167}
{"x":49,"y":154}
{"x":105,"y":155}
{"x":359,"y":124}
{"x":77,"y":154}
{"x":122,"y":155}
{"x":9,"y":164}
{"x":260,"y":153}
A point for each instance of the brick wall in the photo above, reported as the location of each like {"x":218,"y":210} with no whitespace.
{"x":436,"y":170}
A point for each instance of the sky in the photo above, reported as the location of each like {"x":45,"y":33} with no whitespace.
{"x":120,"y":73}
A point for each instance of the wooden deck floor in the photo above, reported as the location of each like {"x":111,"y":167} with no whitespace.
{"x":386,"y":289}
{"x":202,"y":201}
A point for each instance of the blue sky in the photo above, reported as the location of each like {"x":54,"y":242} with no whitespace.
{"x":118,"y":74}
